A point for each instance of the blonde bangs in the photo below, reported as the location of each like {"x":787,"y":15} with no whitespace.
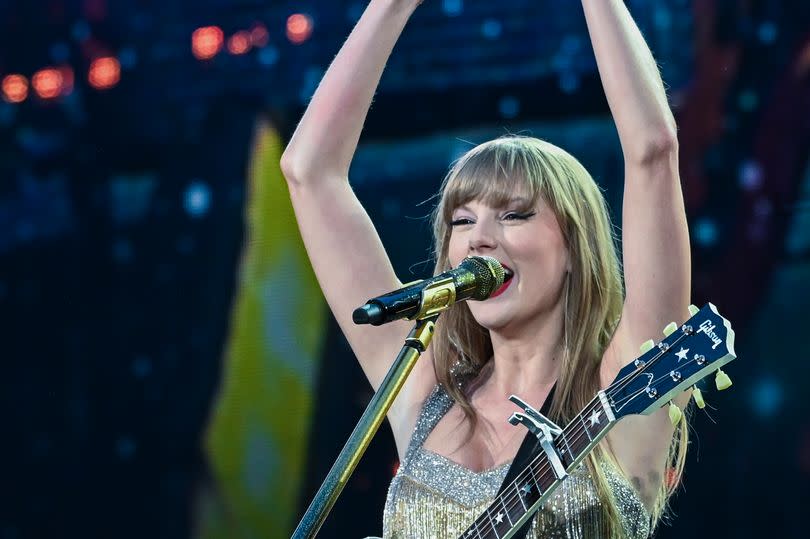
{"x":496,"y":173}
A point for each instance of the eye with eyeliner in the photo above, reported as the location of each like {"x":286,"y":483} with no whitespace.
{"x":509,"y":216}
{"x":461,"y":221}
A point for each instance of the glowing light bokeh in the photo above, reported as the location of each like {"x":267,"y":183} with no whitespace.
{"x":197,"y":198}
{"x":299,"y":28}
{"x":48,"y":83}
{"x":240,"y":42}
{"x":206,"y":42}
{"x":104,"y":73}
{"x":15,"y":88}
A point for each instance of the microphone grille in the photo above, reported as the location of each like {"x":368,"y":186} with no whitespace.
{"x":488,"y":272}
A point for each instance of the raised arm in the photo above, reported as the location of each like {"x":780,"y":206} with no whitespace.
{"x":655,"y":238}
{"x":632,"y":82}
{"x":326,"y":138}
{"x":343,"y":246}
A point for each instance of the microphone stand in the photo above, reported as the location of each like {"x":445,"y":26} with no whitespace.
{"x":417,"y":342}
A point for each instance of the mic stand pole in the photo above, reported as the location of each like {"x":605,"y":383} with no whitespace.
{"x":417,"y":342}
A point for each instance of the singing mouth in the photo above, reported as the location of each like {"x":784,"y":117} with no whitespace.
{"x":507,"y":273}
{"x":507,"y":280}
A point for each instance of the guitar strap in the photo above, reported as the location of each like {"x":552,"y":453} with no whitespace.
{"x":528,"y":450}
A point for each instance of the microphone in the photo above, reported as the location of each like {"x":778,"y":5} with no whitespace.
{"x":477,"y":277}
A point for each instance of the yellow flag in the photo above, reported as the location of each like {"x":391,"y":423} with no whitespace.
{"x":256,"y":440}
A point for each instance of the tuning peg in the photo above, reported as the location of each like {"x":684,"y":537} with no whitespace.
{"x":698,"y":396}
{"x":675,"y":414}
{"x":646,"y":346}
{"x":722,"y":380}
{"x":693,"y":310}
{"x":672,"y":326}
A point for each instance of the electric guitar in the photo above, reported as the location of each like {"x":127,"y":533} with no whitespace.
{"x":700,"y":346}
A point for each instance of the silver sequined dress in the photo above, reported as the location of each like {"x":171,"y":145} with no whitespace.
{"x":432,"y":497}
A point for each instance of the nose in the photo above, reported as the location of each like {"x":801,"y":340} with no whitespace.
{"x":481,"y":239}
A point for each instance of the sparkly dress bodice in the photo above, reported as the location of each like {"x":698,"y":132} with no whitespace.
{"x":432,"y":497}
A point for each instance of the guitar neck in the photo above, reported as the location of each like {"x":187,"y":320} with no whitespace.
{"x":533,"y":484}
{"x":703,"y":344}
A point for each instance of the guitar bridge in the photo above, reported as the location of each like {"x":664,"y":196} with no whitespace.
{"x":544,"y":429}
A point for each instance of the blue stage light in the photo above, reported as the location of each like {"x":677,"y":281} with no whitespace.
{"x":750,"y":175}
{"x":767,"y":32}
{"x":128,"y":57}
{"x":268,"y":56}
{"x":766,"y":397}
{"x":452,"y":7}
{"x":491,"y":29}
{"x":748,"y":100}
{"x":197,"y":198}
{"x":662,"y":18}
{"x":509,"y":106}
{"x":705,"y":232}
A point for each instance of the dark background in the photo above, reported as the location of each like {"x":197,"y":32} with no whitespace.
{"x":121,"y":228}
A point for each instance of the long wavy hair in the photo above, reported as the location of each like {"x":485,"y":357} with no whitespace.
{"x":494,"y":173}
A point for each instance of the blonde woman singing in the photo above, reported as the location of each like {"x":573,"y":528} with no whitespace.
{"x":562,"y":320}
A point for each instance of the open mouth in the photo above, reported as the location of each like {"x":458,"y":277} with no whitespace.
{"x":507,"y":280}
{"x":507,"y":273}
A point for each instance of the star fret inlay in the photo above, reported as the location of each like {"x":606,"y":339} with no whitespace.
{"x":595,"y":417}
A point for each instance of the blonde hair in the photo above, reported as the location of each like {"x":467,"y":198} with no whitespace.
{"x":494,"y":173}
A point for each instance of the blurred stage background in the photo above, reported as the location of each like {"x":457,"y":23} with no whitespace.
{"x":169,"y":368}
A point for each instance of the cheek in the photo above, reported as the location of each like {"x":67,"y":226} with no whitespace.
{"x":542,"y":250}
{"x":456,"y":250}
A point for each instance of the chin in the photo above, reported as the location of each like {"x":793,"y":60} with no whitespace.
{"x":490,"y":317}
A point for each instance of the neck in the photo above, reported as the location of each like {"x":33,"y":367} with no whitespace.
{"x":528,"y":360}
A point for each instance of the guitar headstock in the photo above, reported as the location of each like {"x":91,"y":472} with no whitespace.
{"x":702,"y":345}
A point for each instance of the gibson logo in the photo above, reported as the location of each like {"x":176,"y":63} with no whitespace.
{"x":708,"y":328}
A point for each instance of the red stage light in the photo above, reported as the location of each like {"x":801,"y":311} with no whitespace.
{"x":239,"y":43}
{"x":15,"y":88}
{"x":299,"y":28}
{"x":47,"y":83}
{"x":104,"y":73}
{"x":259,"y":35}
{"x":206,"y":42}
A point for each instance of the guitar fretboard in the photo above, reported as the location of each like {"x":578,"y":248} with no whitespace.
{"x":516,"y":503}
